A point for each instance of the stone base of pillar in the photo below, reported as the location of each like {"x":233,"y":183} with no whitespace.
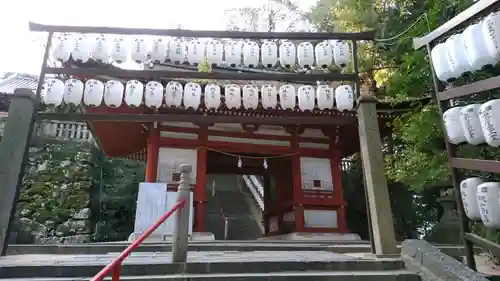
{"x":155,"y":238}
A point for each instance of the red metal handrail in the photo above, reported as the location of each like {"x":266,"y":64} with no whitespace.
{"x":114,"y":266}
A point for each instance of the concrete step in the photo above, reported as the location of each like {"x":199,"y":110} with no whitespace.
{"x":142,"y":264}
{"x":389,"y":275}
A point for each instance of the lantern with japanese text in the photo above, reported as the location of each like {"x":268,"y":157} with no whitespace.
{"x":489,"y":115}
{"x":153,"y":94}
{"x":269,"y":54}
{"x":439,"y":57}
{"x":93,"y":93}
{"x":287,"y":97}
{"x":488,"y":201}
{"x":250,"y":97}
{"x":251,"y":54}
{"x":471,"y":125}
{"x":159,"y":50}
{"x":269,"y":96}
{"x":113,"y":93}
{"x":324,"y":96}
{"x":475,"y":47}
{"x":457,"y":58}
{"x":121,"y":49}
{"x":287,"y":54}
{"x":73,"y":91}
{"x":101,"y":51}
{"x":82,"y":49}
{"x":307,"y":98}
{"x":177,"y":51}
{"x":212,"y":96}
{"x":134,"y":91}
{"x":468,"y":190}
{"x":491,"y":33}
{"x":324,"y":54}
{"x":452,"y":125}
{"x":233,"y":52}
{"x":214,"y":52}
{"x":64,"y":46}
{"x":305,"y":54}
{"x":192,"y":95}
{"x":195,"y":52}
{"x":173,"y":94}
{"x":341,"y":53}
{"x":232,"y":96}
{"x":139,"y":50}
{"x":344,"y":97}
{"x":52,"y":91}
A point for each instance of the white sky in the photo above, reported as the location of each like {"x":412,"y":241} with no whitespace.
{"x":19,"y":54}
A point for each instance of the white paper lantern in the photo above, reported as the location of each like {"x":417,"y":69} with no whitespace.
{"x":212,"y":96}
{"x":250,"y":97}
{"x":468,"y":191}
{"x":305,"y":54}
{"x":341,"y":53}
{"x":269,"y":97}
{"x":457,"y":58}
{"x":324,"y":54}
{"x":475,"y":47}
{"x":324,"y":96}
{"x":192,"y":95}
{"x":471,"y":125}
{"x":214,"y":52}
{"x":158,"y":51}
{"x":113,"y":93}
{"x":307,"y":97}
{"x":491,"y":33}
{"x":64,"y":45}
{"x":439,"y":56}
{"x":73,"y":91}
{"x":269,"y":54}
{"x":453,"y":127}
{"x":177,"y":51}
{"x":195,"y":52}
{"x":232,"y":96}
{"x":101,"y":51}
{"x":233,"y":52}
{"x":287,"y":97}
{"x":251,"y":54}
{"x":287,"y":54}
{"x":121,"y":49}
{"x":173,"y":94}
{"x":53,"y":92}
{"x":344,"y":97}
{"x":134,"y":91}
{"x":490,"y":121}
{"x":153,"y":94}
{"x":139,"y":52}
{"x":488,"y":201}
{"x":93,"y":94}
{"x":82,"y":49}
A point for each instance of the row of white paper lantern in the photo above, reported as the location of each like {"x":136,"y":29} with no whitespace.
{"x":476,"y":47}
{"x":120,"y":49}
{"x":481,"y":201}
{"x":114,"y":93}
{"x":474,"y":124}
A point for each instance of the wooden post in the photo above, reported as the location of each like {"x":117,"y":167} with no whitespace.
{"x":181,"y":234}
{"x":153,"y":148}
{"x":375,"y":180}
{"x":14,"y":152}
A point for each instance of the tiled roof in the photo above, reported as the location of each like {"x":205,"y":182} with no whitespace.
{"x":17,"y":80}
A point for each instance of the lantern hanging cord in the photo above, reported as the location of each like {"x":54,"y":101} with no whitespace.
{"x":385,"y":41}
{"x":249,"y":157}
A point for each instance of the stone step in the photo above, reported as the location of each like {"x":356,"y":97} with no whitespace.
{"x":141,"y":264}
{"x":389,"y":275}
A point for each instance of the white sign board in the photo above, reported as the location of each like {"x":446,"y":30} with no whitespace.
{"x":316,"y":173}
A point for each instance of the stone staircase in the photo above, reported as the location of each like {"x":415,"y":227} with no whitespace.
{"x":239,"y":260}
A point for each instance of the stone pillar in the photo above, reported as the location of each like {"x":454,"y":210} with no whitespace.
{"x":375,"y":180}
{"x":181,"y":232}
{"x":13,"y":154}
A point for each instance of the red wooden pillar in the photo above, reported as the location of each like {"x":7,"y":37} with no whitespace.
{"x":153,"y":150}
{"x":199,"y":193}
{"x":337,"y":186}
{"x":297,"y":185}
